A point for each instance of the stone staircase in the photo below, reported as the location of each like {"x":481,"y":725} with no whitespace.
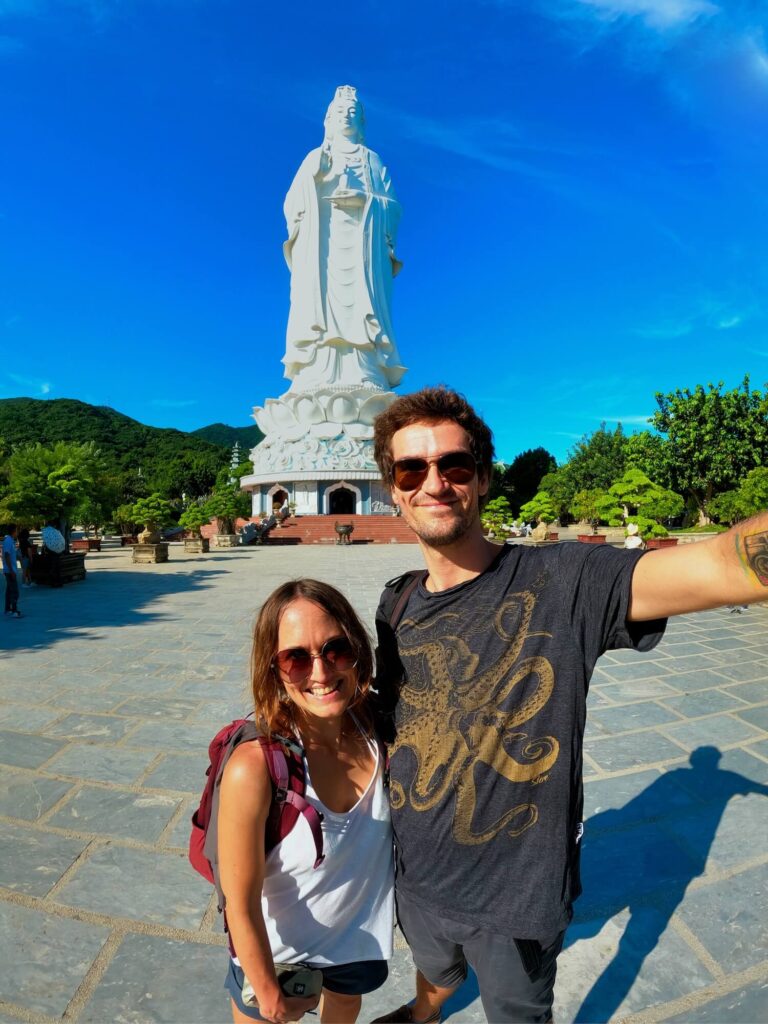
{"x":320,"y":530}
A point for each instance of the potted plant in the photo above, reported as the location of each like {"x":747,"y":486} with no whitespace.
{"x":123,"y":519}
{"x":225,"y":506}
{"x":155,"y":513}
{"x":193,"y":518}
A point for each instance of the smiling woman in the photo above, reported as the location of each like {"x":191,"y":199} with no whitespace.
{"x":311,"y":669}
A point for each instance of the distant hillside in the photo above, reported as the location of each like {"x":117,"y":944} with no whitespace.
{"x":167,"y":460}
{"x":220,"y":433}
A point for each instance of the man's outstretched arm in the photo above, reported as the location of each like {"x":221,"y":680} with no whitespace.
{"x":731,"y":568}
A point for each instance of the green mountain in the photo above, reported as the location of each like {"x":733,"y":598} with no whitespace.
{"x":142,"y":459}
{"x":220,"y":433}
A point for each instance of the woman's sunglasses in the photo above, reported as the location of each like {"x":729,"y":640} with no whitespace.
{"x":455,"y":467}
{"x":296,"y":662}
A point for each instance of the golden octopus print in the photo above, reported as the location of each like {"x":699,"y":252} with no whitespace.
{"x":456,"y":721}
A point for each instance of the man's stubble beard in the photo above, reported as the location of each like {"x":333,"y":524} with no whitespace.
{"x":436,"y":537}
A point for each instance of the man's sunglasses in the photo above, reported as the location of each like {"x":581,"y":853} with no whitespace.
{"x":296,"y":662}
{"x":455,"y":467}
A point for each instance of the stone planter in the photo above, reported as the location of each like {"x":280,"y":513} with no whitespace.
{"x":150,"y":552}
{"x":224,"y":540}
{"x":591,"y":538}
{"x":196,"y":545}
{"x":661,"y":542}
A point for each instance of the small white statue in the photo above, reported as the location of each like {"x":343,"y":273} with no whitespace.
{"x":342,"y":217}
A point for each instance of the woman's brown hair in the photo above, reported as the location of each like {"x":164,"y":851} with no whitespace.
{"x":274,"y":712}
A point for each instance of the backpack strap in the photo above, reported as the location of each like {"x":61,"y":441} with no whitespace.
{"x":397,"y":594}
{"x":292,"y":796}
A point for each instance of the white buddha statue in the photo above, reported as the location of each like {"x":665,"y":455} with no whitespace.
{"x":342,"y":217}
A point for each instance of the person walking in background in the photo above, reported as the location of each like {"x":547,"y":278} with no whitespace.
{"x":9,"y":571}
{"x":26,"y":554}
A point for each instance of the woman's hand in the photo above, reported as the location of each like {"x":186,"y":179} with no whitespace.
{"x":282,"y":1009}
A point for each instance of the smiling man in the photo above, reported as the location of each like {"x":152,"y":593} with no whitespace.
{"x":486,"y":674}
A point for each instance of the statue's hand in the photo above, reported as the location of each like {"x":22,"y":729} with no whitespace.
{"x":346,"y":197}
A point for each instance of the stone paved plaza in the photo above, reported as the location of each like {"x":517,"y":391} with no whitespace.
{"x":111,"y":689}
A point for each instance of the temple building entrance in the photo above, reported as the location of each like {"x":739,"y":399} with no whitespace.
{"x":341,"y":502}
{"x":279,"y":498}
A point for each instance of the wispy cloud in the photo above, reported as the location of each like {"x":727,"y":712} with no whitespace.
{"x":709,"y":313}
{"x":631,"y":420}
{"x":661,"y":15}
{"x":711,"y":57}
{"x":41,"y":387}
{"x":173,"y":403}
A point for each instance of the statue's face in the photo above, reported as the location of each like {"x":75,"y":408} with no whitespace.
{"x":346,"y":118}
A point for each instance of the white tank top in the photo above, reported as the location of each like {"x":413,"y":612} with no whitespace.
{"x":342,"y":911}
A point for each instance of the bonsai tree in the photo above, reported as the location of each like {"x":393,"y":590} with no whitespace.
{"x":539,"y":509}
{"x":496,"y":516}
{"x":154,"y":512}
{"x":123,"y":519}
{"x":225,"y":505}
{"x":193,"y":517}
{"x":594,"y":507}
{"x":640,"y":495}
{"x":648,"y":527}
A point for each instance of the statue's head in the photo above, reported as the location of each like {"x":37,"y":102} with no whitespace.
{"x":345,"y":117}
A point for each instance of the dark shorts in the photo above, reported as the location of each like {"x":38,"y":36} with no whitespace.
{"x":355,"y":979}
{"x":516,"y":977}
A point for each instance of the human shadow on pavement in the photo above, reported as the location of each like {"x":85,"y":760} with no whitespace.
{"x":642,"y":857}
{"x":105,"y":599}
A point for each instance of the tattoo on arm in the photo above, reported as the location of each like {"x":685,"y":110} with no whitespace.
{"x":752,"y":550}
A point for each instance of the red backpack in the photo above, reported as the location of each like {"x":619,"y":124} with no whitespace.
{"x":285,"y":761}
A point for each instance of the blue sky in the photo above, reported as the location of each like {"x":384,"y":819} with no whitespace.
{"x":584,"y":187}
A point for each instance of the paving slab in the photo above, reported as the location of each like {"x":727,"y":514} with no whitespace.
{"x":117,"y":814}
{"x":98,"y":763}
{"x":675,"y":851}
{"x":139,"y":884}
{"x":27,"y":796}
{"x":744,"y":1005}
{"x":33,"y":860}
{"x":156,"y":979}
{"x":44,"y":958}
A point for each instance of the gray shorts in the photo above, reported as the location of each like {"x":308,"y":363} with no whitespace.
{"x":516,"y":977}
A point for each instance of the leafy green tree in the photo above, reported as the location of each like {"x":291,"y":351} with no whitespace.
{"x":49,"y":482}
{"x":561,"y":490}
{"x":715,"y":437}
{"x":597,"y":460}
{"x":539,"y":508}
{"x":521,"y":479}
{"x":747,"y":500}
{"x":753,"y":492}
{"x":649,"y":452}
{"x":122,"y":517}
{"x":226,"y":505}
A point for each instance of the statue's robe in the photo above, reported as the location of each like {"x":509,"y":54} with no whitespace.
{"x":342,"y":263}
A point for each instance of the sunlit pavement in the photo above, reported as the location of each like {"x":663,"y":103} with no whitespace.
{"x":111,"y":689}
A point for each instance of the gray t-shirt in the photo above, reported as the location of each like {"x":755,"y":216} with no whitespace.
{"x":485,"y":771}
